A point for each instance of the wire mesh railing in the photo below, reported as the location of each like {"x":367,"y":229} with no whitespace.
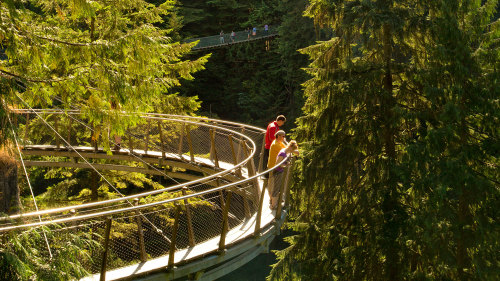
{"x":223,"y":158}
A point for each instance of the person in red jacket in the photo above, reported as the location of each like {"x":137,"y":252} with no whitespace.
{"x":272,"y":128}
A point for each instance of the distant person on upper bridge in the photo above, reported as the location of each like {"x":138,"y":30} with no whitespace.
{"x":254,"y":31}
{"x":221,"y":34}
{"x":271,"y":131}
{"x":233,"y":36}
{"x":266,"y":30}
{"x":248,"y":32}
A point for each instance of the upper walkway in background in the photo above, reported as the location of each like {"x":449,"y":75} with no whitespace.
{"x":241,"y":37}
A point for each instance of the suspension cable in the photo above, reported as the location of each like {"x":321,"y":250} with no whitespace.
{"x":28,"y":181}
{"x":158,"y":230}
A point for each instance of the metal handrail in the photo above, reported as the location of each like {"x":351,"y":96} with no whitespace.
{"x":139,"y":207}
{"x":153,"y":192}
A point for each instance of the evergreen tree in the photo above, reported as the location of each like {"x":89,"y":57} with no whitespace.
{"x":99,"y":56}
{"x":400,"y":132}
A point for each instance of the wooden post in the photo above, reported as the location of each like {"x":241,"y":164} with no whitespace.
{"x":189,"y":220}
{"x":188,"y":135}
{"x":171,"y":253}
{"x":287,"y":185}
{"x":225,"y":224}
{"x":142,"y":247}
{"x":282,"y":189}
{"x":221,"y":194}
{"x":70,"y":123}
{"x":26,"y":128}
{"x":162,"y":147}
{"x":181,"y":139}
{"x":106,"y":246}
{"x":148,"y":131}
{"x":56,"y":127}
{"x":261,"y":160}
{"x":251,"y":171}
{"x":131,"y":143}
{"x":259,"y":211}
{"x":235,"y":160}
{"x":239,"y":146}
{"x":213,"y":149}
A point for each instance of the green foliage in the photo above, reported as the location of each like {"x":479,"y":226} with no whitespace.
{"x":100,"y":56}
{"x":250,"y":82}
{"x":24,"y":256}
{"x":400,"y":136}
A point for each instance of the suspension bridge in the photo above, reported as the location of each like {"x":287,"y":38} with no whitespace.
{"x":212,"y":219}
{"x":210,"y":42}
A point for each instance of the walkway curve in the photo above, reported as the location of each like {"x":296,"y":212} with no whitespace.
{"x":182,"y":225}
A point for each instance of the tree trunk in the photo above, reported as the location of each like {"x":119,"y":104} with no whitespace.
{"x":392,"y":223}
{"x":10,"y":201}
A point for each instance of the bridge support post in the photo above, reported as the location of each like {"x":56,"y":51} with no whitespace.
{"x":173,"y":241}
{"x":106,"y":246}
{"x":225,"y":224}
{"x":162,"y":147}
{"x":56,"y":128}
{"x":148,"y":130}
{"x":131,"y":143}
{"x":283,"y":186}
{"x":189,"y":219}
{"x":188,"y":136}
{"x":142,"y":247}
{"x":181,"y":139}
{"x":240,"y":146}
{"x":287,"y":185}
{"x":26,"y":127}
{"x":260,"y":206}
{"x":70,"y":124}
{"x":235,"y":160}
{"x":251,"y":171}
{"x":213,"y":149}
{"x":261,"y":158}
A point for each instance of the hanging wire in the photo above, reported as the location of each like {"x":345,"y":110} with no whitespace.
{"x":91,"y":166}
{"x":28,"y":180}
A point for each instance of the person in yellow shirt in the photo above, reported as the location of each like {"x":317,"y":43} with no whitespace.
{"x":278,"y":144}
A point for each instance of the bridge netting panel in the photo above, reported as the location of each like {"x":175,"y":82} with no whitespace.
{"x":197,"y":209}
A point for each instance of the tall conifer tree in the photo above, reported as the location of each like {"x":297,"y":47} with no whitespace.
{"x":401,"y":137}
{"x":92,"y":54}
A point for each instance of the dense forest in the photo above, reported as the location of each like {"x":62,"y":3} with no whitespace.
{"x":395,"y":105}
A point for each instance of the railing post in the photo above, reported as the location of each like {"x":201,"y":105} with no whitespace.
{"x":189,"y":220}
{"x":261,"y":160}
{"x":131,"y":143}
{"x":221,"y":193}
{"x":259,"y":210}
{"x":106,"y":246}
{"x":95,"y":137}
{"x":213,"y":149}
{"x":181,"y":139}
{"x":225,"y":224}
{"x":142,"y":247}
{"x":173,"y":241}
{"x":282,"y":189}
{"x":56,"y":128}
{"x":70,"y":124}
{"x":239,"y":146}
{"x":287,"y":186}
{"x":235,"y":160}
{"x":251,"y":171}
{"x":162,"y":147}
{"x":26,"y":128}
{"x":188,"y":135}
{"x":148,"y":131}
